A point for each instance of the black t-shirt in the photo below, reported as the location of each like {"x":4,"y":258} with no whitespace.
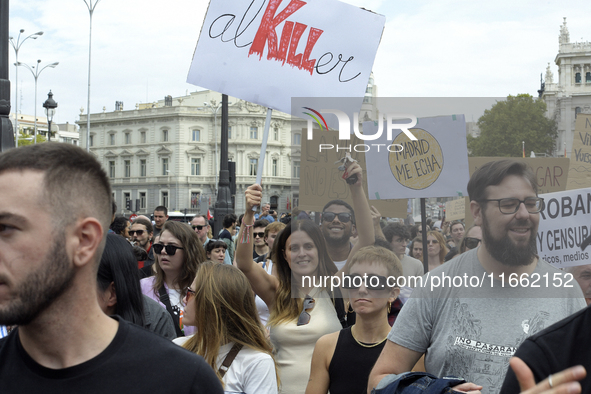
{"x":136,"y":361}
{"x":560,"y":346}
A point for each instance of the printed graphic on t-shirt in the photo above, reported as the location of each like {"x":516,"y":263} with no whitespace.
{"x":480,"y":361}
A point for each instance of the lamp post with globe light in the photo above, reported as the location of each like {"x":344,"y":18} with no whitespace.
{"x":36,"y":72}
{"x":16,"y":45}
{"x":50,"y":106}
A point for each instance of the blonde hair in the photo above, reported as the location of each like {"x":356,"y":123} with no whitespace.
{"x":376,"y":255}
{"x":442,"y":245}
{"x":225,"y":312}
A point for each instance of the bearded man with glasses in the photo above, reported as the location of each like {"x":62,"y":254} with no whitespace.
{"x":337,"y":225}
{"x":471,"y":328}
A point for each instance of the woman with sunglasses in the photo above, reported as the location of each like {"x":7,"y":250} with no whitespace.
{"x":215,"y":250}
{"x":436,"y":249}
{"x":472,"y":238}
{"x":343,"y":360}
{"x":299,"y":312}
{"x":221,"y":304}
{"x":178,"y":254}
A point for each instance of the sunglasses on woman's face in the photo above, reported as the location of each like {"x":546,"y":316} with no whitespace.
{"x":471,"y":243}
{"x":170,"y":249}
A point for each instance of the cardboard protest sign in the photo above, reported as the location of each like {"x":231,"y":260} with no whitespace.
{"x":551,"y":174}
{"x":565,"y":222}
{"x":455,"y":209}
{"x":435,"y":165}
{"x":267,"y":52}
{"x":579,"y":173}
{"x":320,"y":180}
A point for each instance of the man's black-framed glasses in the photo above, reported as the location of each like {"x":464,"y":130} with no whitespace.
{"x":509,"y":206}
{"x":344,"y":217}
{"x":304,"y":318}
{"x":170,"y":249}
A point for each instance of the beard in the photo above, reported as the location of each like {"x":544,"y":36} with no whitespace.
{"x":335,"y":240}
{"x":41,"y":287}
{"x":505,"y":251}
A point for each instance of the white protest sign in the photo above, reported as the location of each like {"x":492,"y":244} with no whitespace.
{"x":267,"y":52}
{"x":436,"y":165}
{"x":565,"y":222}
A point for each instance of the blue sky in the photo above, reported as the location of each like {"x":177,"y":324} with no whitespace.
{"x":141,"y":51}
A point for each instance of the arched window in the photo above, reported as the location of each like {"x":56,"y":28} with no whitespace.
{"x":578,"y":78}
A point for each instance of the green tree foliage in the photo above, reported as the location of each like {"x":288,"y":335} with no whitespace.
{"x":507,"y":123}
{"x":28,"y":140}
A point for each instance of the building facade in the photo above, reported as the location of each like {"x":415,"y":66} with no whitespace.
{"x":165,"y":153}
{"x":571,"y":93}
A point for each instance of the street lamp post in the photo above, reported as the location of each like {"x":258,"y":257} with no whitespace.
{"x":214,"y":109}
{"x":91,"y":8}
{"x":50,"y":105}
{"x":36,"y":72}
{"x":16,"y":45}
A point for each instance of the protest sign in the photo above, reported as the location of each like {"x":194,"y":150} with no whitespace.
{"x":579,"y":173}
{"x":435,"y":165}
{"x":565,"y":222}
{"x":455,"y":209}
{"x":320,"y":180}
{"x":267,"y":52}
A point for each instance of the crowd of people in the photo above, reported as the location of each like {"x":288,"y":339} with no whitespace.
{"x":86,"y":296}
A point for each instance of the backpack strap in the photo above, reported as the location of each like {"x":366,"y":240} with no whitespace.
{"x":337,"y":300}
{"x":165,"y":299}
{"x":229,"y":358}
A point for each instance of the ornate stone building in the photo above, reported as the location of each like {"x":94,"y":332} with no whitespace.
{"x":571,"y":93}
{"x":165,"y":153}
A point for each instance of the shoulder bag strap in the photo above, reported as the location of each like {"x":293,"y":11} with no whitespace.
{"x":165,"y":299}
{"x":229,"y":358}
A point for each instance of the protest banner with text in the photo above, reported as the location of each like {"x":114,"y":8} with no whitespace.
{"x":579,"y":173}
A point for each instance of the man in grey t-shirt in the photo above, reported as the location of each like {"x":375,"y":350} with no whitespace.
{"x":470,"y":324}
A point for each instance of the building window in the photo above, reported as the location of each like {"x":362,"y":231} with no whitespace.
{"x":274,"y":167}
{"x":297,"y":139}
{"x":112,"y":169}
{"x":578,"y":78}
{"x":577,"y":111}
{"x":164,"y":199}
{"x":195,"y":166}
{"x":127,"y":164}
{"x":296,"y":169}
{"x":127,"y":138}
{"x":196,"y":135}
{"x":195,"y":197}
{"x":164,"y":166}
{"x":588,"y":77}
{"x":276,"y":133}
{"x":143,"y":167}
{"x":143,"y":137}
{"x":111,"y":139}
{"x":142,"y":200}
{"x":229,"y":132}
{"x":164,"y":135}
{"x":91,"y":141}
{"x":254,"y":163}
{"x":254,"y":133}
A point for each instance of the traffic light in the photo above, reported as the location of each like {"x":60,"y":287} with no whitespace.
{"x":128,"y":204}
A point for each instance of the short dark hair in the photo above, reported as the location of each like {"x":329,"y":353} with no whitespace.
{"x":119,"y":224}
{"x":214,"y":244}
{"x":229,"y":220}
{"x":74,"y":183}
{"x":344,"y":204}
{"x":493,"y":173}
{"x":261,"y":223}
{"x":381,"y":242}
{"x":452,"y":224}
{"x":119,"y":265}
{"x":395,"y":229}
{"x":146,"y":223}
{"x":161,"y":208}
